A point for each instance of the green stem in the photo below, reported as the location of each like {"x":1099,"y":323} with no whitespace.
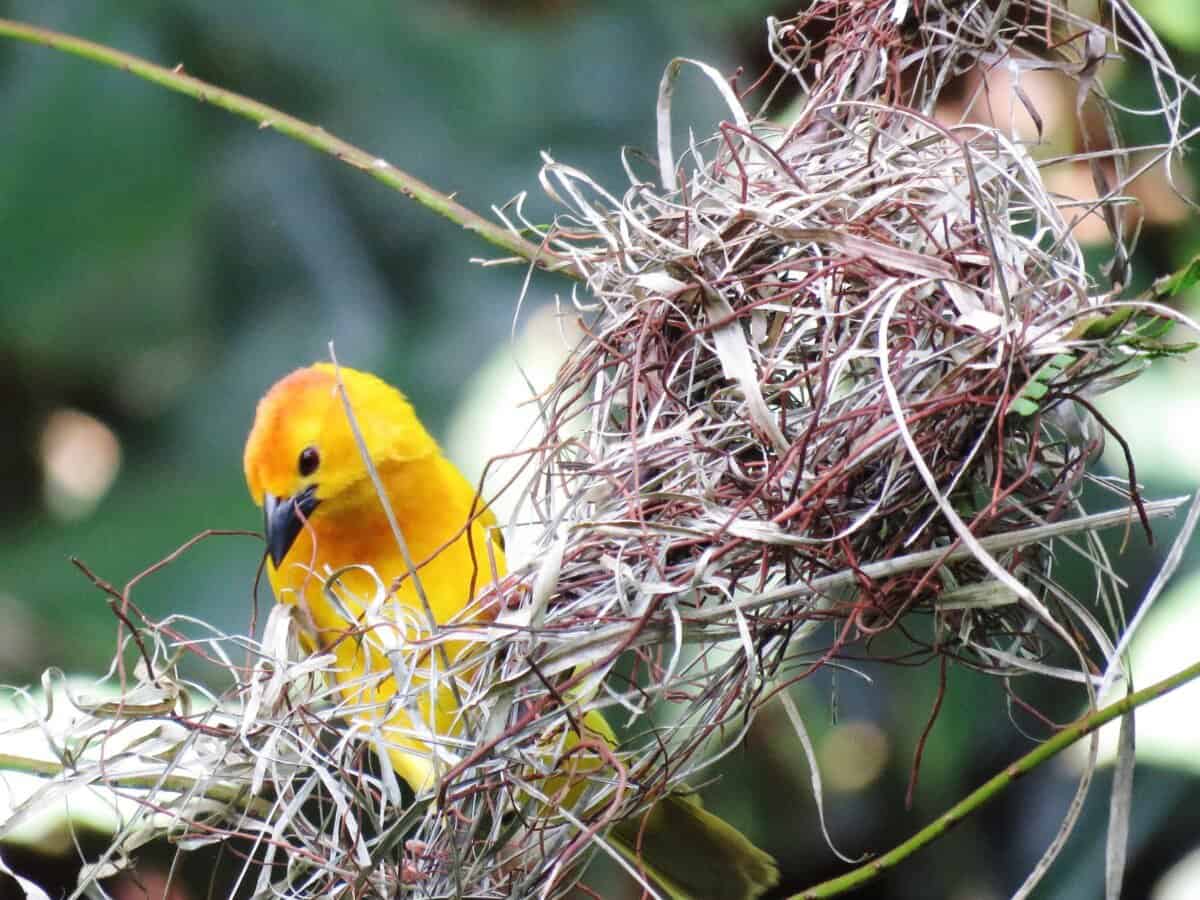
{"x":856,"y":878}
{"x":267,"y":117}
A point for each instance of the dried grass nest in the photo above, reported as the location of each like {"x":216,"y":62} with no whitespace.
{"x":836,"y":382}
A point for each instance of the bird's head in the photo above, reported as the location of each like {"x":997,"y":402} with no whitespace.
{"x":302,"y":453}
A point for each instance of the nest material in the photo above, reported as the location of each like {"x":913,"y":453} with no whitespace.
{"x":827,"y":363}
{"x":835,"y":383}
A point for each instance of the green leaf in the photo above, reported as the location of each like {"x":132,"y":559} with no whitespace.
{"x":1098,"y":327}
{"x":1182,"y":279}
{"x":1035,"y":390}
{"x":1156,"y":349}
{"x":1025,"y":403}
{"x":1023,"y":407}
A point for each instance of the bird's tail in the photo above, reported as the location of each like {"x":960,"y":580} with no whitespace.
{"x":692,"y":854}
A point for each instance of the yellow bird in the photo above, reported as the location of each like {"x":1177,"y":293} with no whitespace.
{"x":323,"y":516}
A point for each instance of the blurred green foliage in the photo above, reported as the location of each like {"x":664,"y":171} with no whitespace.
{"x":164,"y":262}
{"x":161,"y":263}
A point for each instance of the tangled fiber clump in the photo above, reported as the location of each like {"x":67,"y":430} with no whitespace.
{"x":837,"y":373}
{"x":835,"y":382}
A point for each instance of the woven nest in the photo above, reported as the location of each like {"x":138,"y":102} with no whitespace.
{"x":835,"y":383}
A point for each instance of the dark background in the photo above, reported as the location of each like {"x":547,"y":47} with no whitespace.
{"x":161,"y":263}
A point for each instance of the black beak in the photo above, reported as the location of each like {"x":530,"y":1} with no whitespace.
{"x":284,"y":517}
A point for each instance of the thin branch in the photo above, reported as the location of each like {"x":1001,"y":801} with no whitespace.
{"x":991,"y":788}
{"x":267,"y":117}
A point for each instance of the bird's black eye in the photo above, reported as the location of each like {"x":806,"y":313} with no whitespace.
{"x":309,"y":460}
